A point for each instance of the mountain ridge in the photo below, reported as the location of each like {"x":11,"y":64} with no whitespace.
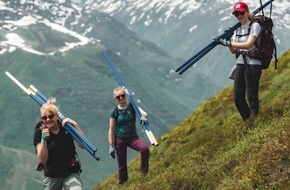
{"x":191,"y":25}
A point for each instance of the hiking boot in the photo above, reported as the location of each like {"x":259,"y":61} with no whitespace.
{"x":143,"y":174}
{"x":121,"y":182}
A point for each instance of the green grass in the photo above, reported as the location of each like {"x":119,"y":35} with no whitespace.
{"x":215,"y":149}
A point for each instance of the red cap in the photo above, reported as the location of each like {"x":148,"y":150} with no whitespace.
{"x":241,"y":7}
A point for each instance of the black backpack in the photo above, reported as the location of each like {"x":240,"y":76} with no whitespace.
{"x":266,"y":48}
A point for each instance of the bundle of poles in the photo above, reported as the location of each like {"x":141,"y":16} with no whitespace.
{"x":226,"y":35}
{"x":39,"y":98}
{"x":148,"y":132}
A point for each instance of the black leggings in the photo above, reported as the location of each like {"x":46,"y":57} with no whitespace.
{"x":247,"y":80}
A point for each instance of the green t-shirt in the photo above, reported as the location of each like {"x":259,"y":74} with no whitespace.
{"x":125,"y":122}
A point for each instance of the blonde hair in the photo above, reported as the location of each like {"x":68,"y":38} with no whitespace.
{"x":119,"y":88}
{"x":49,"y":106}
{"x":251,"y":16}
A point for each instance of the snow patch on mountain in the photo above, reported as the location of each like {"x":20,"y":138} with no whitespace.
{"x":16,"y":15}
{"x":137,"y":8}
{"x":140,"y":9}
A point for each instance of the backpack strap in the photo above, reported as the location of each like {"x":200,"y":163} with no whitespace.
{"x":131,"y":108}
{"x":116,"y":112}
{"x":256,"y":41}
{"x":244,"y":53}
{"x":40,"y":167}
{"x":78,"y":161}
{"x":275,"y":55}
{"x":249,"y":29}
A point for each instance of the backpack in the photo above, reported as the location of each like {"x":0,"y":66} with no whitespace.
{"x":266,"y":46}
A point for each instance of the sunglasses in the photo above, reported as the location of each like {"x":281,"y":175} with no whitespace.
{"x":237,"y":13}
{"x":44,"y":118}
{"x":120,"y":96}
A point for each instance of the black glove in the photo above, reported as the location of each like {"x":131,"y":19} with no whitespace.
{"x":223,"y":42}
{"x":229,"y":33}
{"x":143,"y":120}
{"x":112,"y":151}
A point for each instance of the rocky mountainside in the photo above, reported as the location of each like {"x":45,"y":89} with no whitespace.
{"x":182,"y":28}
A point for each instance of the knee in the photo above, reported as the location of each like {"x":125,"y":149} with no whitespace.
{"x":145,"y":151}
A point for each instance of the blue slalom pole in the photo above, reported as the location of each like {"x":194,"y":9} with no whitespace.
{"x":148,"y":132}
{"x":227,"y":34}
{"x":39,"y":98}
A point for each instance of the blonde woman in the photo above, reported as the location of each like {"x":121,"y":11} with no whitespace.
{"x":55,"y":149}
{"x":248,"y":70}
{"x":122,"y":134}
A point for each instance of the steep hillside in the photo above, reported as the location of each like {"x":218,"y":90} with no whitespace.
{"x":215,"y":149}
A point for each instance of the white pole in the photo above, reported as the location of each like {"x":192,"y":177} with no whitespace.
{"x":17,"y":82}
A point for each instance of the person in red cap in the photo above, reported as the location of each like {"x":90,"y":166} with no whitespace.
{"x":241,"y":7}
{"x":248,"y":70}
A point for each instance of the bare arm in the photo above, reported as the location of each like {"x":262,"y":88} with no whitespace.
{"x":243,"y":45}
{"x":41,"y":148}
{"x":112,"y":125}
{"x":42,"y":152}
{"x":143,"y":113}
{"x":76,"y":126}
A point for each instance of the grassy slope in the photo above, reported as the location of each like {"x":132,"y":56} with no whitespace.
{"x":215,"y":149}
